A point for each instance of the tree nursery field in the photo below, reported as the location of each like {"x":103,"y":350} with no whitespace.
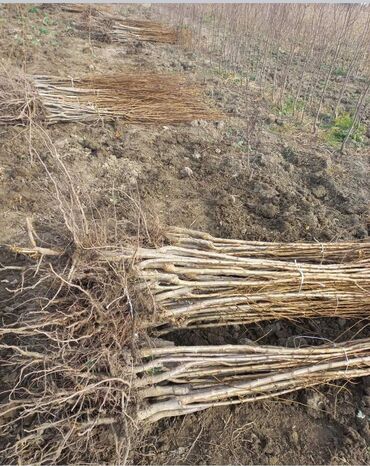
{"x":184,"y":249}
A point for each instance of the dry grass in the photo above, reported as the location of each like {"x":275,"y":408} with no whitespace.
{"x":144,"y":97}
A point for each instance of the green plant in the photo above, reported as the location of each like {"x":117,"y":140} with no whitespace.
{"x":241,"y":145}
{"x":336,"y":133}
{"x":36,"y":25}
{"x":289,"y":106}
{"x":43,"y":30}
{"x":47,"y":21}
{"x":340,"y":71}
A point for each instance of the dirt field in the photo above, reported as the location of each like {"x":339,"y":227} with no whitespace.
{"x":253,"y":175}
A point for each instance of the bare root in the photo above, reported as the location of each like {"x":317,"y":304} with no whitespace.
{"x":20,"y":102}
{"x":67,"y":344}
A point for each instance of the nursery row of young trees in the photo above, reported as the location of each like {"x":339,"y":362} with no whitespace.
{"x":312,"y":60}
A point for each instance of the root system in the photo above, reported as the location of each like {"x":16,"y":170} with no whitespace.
{"x":19,"y":99}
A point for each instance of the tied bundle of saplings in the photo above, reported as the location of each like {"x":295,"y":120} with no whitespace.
{"x":182,"y":380}
{"x":86,"y":372}
{"x":144,"y":30}
{"x":145,"y":98}
{"x":100,"y":23}
{"x":198,"y":281}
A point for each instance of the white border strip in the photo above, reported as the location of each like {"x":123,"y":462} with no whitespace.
{"x":365,"y":2}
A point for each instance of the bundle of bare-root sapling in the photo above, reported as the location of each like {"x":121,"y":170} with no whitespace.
{"x":174,"y":381}
{"x":101,"y":23}
{"x":145,"y":97}
{"x":199,"y":281}
{"x":84,"y":372}
{"x":144,"y":30}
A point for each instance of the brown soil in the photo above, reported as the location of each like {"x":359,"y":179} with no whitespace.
{"x":250,"y":176}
